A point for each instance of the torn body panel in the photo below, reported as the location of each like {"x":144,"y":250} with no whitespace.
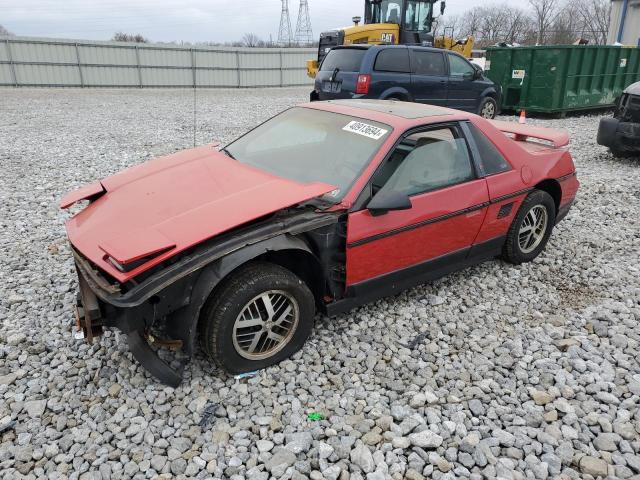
{"x":170,"y":299}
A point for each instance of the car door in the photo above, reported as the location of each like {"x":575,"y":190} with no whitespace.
{"x":429,"y":80}
{"x":448,"y":203}
{"x":463,"y":93}
{"x":391,"y":73}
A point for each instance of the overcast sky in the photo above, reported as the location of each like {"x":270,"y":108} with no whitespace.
{"x":167,"y":20}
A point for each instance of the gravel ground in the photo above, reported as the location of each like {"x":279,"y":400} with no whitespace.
{"x":499,"y":371}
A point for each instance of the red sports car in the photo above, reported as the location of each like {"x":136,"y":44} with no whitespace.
{"x":322,"y":208}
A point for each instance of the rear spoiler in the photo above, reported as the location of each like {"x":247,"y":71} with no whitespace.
{"x":559,"y":138}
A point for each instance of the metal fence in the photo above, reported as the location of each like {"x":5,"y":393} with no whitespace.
{"x":42,"y":62}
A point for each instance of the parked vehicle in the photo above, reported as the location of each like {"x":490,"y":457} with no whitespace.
{"x":406,"y":22}
{"x":322,"y":208}
{"x":407,"y":73}
{"x":622,"y":132}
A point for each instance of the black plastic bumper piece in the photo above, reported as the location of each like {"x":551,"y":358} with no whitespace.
{"x":619,"y":136}
{"x":150,"y":360}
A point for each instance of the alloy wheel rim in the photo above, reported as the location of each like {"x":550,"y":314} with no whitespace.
{"x":488,"y":110}
{"x":265,"y":325}
{"x":532,"y":229}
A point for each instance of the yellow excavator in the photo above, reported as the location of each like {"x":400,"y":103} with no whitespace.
{"x":407,"y":22}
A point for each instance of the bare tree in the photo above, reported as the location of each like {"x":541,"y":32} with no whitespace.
{"x":471,"y":21}
{"x":447,"y":26}
{"x":127,"y":37}
{"x":4,"y":32}
{"x":495,"y":24}
{"x":544,"y":12}
{"x":595,"y":16}
{"x":251,"y":40}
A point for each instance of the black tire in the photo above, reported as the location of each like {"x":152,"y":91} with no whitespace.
{"x":512,"y":251}
{"x":229,"y":300}
{"x":620,"y":153}
{"x":489,"y":104}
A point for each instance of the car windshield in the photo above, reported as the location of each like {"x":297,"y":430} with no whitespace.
{"x":307,"y":145}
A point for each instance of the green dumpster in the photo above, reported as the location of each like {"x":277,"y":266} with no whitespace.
{"x":562,"y":78}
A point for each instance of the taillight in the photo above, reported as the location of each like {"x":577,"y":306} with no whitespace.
{"x":362,"y":86}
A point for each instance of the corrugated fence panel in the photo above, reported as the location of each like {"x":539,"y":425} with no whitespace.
{"x":42,"y":52}
{"x":165,"y":58}
{"x":296,"y":77}
{"x":217,"y":78}
{"x":56,"y":75}
{"x":110,"y":77}
{"x":100,"y":55}
{"x":216,"y":59}
{"x":4,"y":55}
{"x":295,"y":59}
{"x":260,"y":78}
{"x":260,"y":60}
{"x":167,"y":77}
{"x":49,"y":62}
{"x":6,"y":78}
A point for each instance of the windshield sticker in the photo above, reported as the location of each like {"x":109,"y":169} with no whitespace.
{"x":366,"y":130}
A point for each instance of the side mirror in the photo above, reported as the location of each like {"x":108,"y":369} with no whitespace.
{"x":385,"y":201}
{"x":443,"y":5}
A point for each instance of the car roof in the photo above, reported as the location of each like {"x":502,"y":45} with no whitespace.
{"x":384,"y":47}
{"x":391,"y":112}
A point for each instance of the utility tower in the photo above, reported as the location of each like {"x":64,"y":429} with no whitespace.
{"x":304,"y":32}
{"x":285,"y":36}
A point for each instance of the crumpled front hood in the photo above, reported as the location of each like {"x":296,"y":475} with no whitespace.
{"x":149,"y":213}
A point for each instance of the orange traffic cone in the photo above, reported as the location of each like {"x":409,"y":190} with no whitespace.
{"x":523,"y":117}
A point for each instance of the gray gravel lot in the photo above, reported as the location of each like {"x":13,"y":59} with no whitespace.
{"x":498,"y":371}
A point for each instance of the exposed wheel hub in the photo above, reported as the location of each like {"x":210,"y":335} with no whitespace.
{"x":532,"y":229}
{"x":265,"y":325}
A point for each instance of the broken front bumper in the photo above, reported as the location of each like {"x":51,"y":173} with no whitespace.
{"x":619,"y":136}
{"x":93,"y":314}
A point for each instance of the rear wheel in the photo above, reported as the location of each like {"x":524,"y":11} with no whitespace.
{"x":488,"y":108}
{"x":531,"y":228}
{"x":260,"y":316}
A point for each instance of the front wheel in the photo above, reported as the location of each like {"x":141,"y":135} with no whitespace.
{"x":488,"y":108}
{"x":531,"y":228}
{"x":261,"y":315}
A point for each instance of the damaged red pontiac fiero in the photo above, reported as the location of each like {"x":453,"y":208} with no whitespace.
{"x":322,"y":208}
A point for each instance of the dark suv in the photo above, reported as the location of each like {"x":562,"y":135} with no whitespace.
{"x":409,"y":73}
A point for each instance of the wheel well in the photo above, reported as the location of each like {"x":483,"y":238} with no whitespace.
{"x":302,"y":264}
{"x":397,"y":96}
{"x":552,"y":187}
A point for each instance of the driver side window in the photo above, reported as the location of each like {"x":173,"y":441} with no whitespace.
{"x":459,"y":67}
{"x":424,"y":162}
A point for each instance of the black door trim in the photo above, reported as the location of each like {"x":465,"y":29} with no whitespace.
{"x":414,"y":226}
{"x":423,"y":223}
{"x":394,"y":282}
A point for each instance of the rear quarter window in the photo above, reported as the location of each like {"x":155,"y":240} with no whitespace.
{"x":344,"y":59}
{"x":492,"y":160}
{"x":393,"y":60}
